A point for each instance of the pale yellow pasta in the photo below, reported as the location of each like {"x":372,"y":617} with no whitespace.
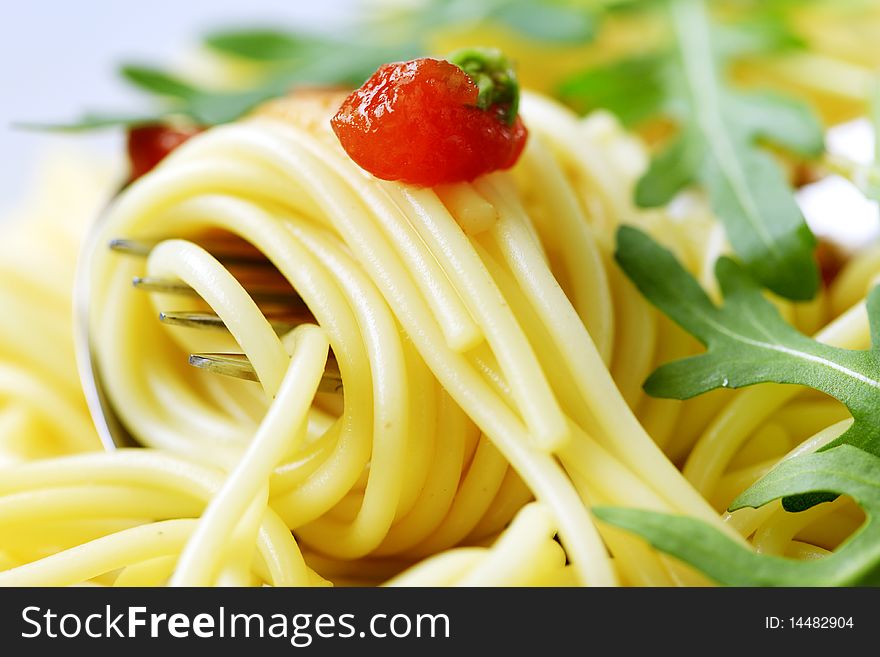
{"x":491,"y":355}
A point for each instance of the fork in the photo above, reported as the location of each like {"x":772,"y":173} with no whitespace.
{"x":283,"y":308}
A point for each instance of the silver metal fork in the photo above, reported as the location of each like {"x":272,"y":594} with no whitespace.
{"x":282,"y":306}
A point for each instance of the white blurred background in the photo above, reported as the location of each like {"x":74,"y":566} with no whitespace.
{"x":58,"y":58}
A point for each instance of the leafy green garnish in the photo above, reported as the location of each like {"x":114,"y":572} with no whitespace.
{"x":158,"y":82}
{"x":844,"y":470}
{"x":203,"y":106}
{"x":541,"y":20}
{"x":549,"y":21}
{"x":292,"y":58}
{"x":649,"y":83}
{"x":763,"y":31}
{"x":323,"y":61}
{"x":264,"y":45}
{"x":289,"y":59}
{"x":747,"y":189}
{"x":180,"y":99}
{"x":671,"y":170}
{"x":779,"y":120}
{"x":634,"y":89}
{"x":720,"y":129}
{"x":747,"y":340}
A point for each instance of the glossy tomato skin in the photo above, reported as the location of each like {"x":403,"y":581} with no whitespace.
{"x":417,"y":122}
{"x":149,"y":144}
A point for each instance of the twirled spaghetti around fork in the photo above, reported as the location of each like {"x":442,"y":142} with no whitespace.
{"x":491,"y":354}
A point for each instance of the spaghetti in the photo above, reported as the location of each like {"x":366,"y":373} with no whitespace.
{"x":491,"y":356}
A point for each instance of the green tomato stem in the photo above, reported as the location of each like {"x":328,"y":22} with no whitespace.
{"x":494,"y":76}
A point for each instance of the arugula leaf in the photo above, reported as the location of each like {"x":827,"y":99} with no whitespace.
{"x":262,"y":44}
{"x":548,"y":21}
{"x":158,"y":82}
{"x":747,"y":190}
{"x":634,"y":89}
{"x":571,"y":22}
{"x":747,"y":340}
{"x":761,"y":32}
{"x":349,"y":65}
{"x":328,"y":63}
{"x":294,"y":58}
{"x":181,"y":94}
{"x":671,"y":170}
{"x":212,"y":108}
{"x":780,"y":120}
{"x":203,"y":106}
{"x":844,"y":470}
{"x":302,"y":58}
{"x":719,"y":132}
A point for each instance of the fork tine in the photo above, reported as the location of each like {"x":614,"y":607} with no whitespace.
{"x":293,"y":310}
{"x":239,"y":367}
{"x":235,"y":365}
{"x":225,"y":251}
{"x":138,"y":248}
{"x":260,"y":294}
{"x":205,"y":320}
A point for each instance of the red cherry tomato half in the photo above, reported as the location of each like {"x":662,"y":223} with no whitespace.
{"x":417,"y":122}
